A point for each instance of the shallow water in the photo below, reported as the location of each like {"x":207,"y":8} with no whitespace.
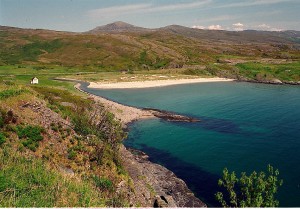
{"x":243,"y":127}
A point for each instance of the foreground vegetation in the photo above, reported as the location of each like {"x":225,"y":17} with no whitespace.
{"x":29,"y":182}
{"x":255,"y":190}
{"x":65,"y":156}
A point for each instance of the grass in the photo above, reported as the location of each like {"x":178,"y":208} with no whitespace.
{"x":29,"y":182}
{"x":11,"y":93}
{"x":22,"y":74}
{"x":259,"y":71}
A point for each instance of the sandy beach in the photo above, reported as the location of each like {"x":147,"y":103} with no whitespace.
{"x":123,"y":113}
{"x":154,"y":83}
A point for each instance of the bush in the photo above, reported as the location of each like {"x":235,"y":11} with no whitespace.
{"x":72,"y":154}
{"x":82,"y":125}
{"x":32,"y":136}
{"x":103,"y":183}
{"x":2,"y":139}
{"x":256,"y":190}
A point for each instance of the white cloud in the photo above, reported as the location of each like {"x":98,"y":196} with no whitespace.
{"x":143,"y":8}
{"x":267,"y":27}
{"x":215,"y":27}
{"x":256,"y":3}
{"x":238,"y":26}
{"x":198,"y":27}
{"x":264,"y":26}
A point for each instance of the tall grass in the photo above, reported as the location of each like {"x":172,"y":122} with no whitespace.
{"x":29,"y":182}
{"x":11,"y":93}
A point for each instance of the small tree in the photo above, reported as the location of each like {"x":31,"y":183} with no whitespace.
{"x":256,"y":190}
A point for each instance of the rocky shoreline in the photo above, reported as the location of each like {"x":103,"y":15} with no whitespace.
{"x":273,"y":82}
{"x":171,"y":116}
{"x":154,"y":185}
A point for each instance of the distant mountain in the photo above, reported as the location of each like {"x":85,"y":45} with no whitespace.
{"x":247,"y":36}
{"x":235,"y":36}
{"x":118,"y":27}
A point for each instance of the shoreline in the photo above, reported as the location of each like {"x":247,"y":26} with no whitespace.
{"x":169,"y":190}
{"x":154,"y":83}
{"x":125,"y":114}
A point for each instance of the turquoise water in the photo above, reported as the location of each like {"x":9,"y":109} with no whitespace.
{"x":243,"y":127}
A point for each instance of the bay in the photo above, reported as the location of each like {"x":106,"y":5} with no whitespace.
{"x":244,"y":127}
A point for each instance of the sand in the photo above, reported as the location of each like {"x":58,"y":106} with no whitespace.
{"x":155,"y":83}
{"x":123,"y":113}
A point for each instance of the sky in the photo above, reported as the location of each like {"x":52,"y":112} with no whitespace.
{"x":84,"y":15}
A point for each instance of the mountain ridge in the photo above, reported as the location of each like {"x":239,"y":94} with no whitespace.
{"x":118,"y":26}
{"x":215,"y":35}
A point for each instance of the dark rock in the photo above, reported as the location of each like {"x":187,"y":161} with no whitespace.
{"x":155,"y":185}
{"x":170,"y":116}
{"x":160,"y":202}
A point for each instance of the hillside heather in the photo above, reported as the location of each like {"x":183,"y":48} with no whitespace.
{"x":245,"y":55}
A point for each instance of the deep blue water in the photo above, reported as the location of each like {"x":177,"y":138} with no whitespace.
{"x":243,"y":127}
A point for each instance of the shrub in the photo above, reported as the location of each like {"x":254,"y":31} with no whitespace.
{"x":103,"y":183}
{"x":256,"y":190}
{"x":2,"y":139}
{"x":32,"y":136}
{"x":82,"y":124}
{"x":72,"y":154}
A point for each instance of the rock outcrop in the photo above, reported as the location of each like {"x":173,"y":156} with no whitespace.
{"x":155,"y":185}
{"x":170,"y":116}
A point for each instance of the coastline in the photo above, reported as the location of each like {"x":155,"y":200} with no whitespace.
{"x":125,"y":114}
{"x":154,"y":83}
{"x":154,"y":184}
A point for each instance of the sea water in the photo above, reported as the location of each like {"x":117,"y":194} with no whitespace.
{"x":244,"y":127}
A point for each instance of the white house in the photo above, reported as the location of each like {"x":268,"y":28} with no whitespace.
{"x":34,"y":80}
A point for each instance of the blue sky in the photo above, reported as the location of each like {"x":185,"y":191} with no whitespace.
{"x":83,"y":15}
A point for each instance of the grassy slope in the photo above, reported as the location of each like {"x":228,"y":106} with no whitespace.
{"x":51,"y":54}
{"x":35,"y":174}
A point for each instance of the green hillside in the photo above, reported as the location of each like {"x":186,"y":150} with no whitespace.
{"x":53,"y":155}
{"x":194,"y":52}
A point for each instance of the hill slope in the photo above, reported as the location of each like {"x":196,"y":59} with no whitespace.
{"x":120,"y":46}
